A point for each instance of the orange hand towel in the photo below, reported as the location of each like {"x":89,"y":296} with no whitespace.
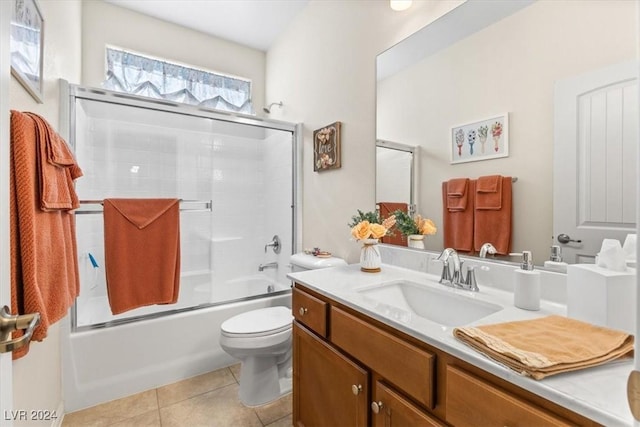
{"x":458,"y":224}
{"x":457,"y":194}
{"x":57,"y":168}
{"x":494,"y":225}
{"x":142,"y":252}
{"x":386,"y":210}
{"x":44,"y":269}
{"x":548,"y":345}
{"x":489,"y":192}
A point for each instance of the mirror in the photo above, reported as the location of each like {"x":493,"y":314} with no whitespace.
{"x":480,"y":60}
{"x":395,"y":172}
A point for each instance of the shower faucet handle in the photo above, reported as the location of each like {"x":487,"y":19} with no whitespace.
{"x":274,"y":243}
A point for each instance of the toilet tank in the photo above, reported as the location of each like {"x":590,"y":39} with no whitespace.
{"x":302,"y":262}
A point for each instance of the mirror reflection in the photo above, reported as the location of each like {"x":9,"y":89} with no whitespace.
{"x":395,"y":189}
{"x":481,"y":60}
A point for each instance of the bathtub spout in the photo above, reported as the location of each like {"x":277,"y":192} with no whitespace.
{"x":261,"y":267}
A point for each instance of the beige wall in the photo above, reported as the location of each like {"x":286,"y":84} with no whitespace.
{"x":323,"y":69}
{"x":38,"y":376}
{"x":508,"y":67}
{"x":106,"y":24}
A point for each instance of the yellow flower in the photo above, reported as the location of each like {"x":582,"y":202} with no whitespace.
{"x":378,"y":231}
{"x":362,"y":230}
{"x":425,"y":225}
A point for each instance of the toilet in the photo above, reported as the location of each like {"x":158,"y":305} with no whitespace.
{"x":262,"y":340}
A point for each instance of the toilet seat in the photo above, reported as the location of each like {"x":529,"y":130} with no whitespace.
{"x":258,"y":323}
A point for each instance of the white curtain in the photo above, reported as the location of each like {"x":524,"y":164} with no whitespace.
{"x":139,"y":75}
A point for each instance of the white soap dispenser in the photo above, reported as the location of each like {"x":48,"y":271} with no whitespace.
{"x":526,"y":292}
{"x":555,"y":260}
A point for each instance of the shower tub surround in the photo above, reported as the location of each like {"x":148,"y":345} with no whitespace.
{"x":243,"y":168}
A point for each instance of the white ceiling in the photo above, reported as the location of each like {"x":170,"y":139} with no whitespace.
{"x":253,"y":23}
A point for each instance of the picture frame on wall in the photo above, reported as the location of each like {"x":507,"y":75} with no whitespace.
{"x":27,"y":46}
{"x":480,"y":140}
{"x":327,"y":148}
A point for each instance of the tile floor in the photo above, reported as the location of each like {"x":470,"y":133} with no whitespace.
{"x":208,"y":400}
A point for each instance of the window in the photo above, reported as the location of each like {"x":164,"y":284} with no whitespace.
{"x":154,"y":78}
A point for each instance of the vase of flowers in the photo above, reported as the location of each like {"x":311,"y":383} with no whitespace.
{"x":368,"y":228}
{"x":415,"y":228}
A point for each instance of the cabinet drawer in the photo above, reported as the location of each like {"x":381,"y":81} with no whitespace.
{"x":407,"y":367}
{"x":472,"y":401}
{"x":310,"y":311}
{"x":392,"y":409}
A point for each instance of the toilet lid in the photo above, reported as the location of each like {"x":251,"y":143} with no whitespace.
{"x":263,"y":321}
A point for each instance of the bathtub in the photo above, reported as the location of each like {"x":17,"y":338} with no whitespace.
{"x":104,"y":364}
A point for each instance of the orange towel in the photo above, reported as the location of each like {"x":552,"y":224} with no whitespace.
{"x":493,"y":225}
{"x":548,"y":345}
{"x":44,"y":269}
{"x":142,"y":252}
{"x":489,"y":192}
{"x":386,"y":210}
{"x":56,"y":168}
{"x":457,"y":194}
{"x":458,"y":224}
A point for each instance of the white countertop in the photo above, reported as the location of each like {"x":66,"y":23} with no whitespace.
{"x":598,"y":393}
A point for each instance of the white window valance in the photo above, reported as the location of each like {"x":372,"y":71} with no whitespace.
{"x":140,"y":75}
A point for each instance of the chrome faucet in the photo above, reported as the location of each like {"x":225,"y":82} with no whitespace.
{"x":274,"y":243}
{"x":261,"y":267}
{"x":487,"y":248}
{"x":457,"y":279}
{"x":446,"y":275}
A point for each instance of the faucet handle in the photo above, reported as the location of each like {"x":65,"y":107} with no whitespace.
{"x":274,"y":243}
{"x":471,"y":283}
{"x":445,"y":276}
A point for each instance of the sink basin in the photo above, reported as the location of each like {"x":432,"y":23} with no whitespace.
{"x":402,"y":298}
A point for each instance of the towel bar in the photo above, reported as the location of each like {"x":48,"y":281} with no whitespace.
{"x":207,"y":206}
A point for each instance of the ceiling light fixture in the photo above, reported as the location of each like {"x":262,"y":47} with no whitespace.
{"x":400,"y":5}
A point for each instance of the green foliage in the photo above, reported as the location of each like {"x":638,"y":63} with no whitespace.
{"x":405,"y":224}
{"x":372,"y":217}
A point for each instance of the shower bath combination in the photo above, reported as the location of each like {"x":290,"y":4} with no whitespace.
{"x":131,"y":147}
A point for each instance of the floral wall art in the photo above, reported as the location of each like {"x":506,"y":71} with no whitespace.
{"x":326,"y":147}
{"x":481,"y":140}
{"x":26,"y":45}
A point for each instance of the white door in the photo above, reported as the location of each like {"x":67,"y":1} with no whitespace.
{"x":595,"y":151}
{"x":6,"y":381}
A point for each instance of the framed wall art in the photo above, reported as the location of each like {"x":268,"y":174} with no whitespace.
{"x":481,"y":140}
{"x":26,"y":45}
{"x":326,"y":148}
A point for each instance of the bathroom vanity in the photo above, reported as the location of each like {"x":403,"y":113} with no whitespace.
{"x":361,"y":358}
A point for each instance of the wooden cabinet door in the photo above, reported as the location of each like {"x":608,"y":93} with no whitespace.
{"x":328,"y":388}
{"x":395,"y":410}
{"x":471,"y":401}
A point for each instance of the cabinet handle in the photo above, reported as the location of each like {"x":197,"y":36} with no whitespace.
{"x":356,"y":389}
{"x":376,"y":406}
{"x":302,"y":311}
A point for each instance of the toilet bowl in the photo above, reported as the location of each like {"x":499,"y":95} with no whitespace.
{"x":262,"y":341}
